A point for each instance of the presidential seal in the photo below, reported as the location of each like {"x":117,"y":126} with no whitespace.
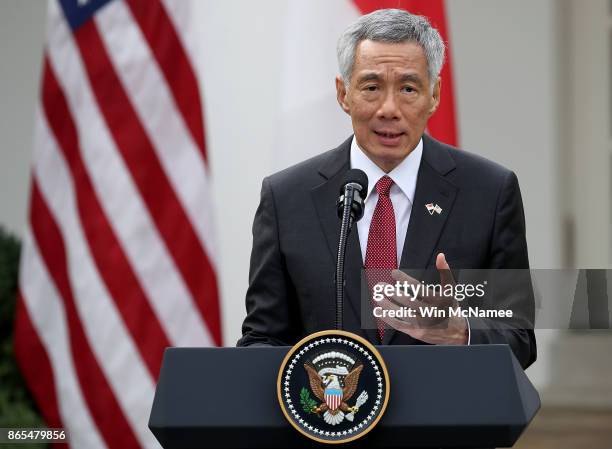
{"x":333,"y":386}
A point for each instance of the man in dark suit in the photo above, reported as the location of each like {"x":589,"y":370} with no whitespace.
{"x":428,"y":205}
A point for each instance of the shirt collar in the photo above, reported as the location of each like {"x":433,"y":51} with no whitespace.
{"x":404,"y":175}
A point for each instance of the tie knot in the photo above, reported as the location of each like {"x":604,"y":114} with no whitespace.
{"x":384,"y":185}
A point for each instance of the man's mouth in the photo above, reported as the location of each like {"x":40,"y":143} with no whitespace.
{"x":389,"y":138}
{"x":388,"y":134}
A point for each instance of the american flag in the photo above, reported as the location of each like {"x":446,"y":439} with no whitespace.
{"x":119,"y":255}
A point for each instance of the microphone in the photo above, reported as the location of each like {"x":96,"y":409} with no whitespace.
{"x":353,"y":192}
{"x":350,"y":209}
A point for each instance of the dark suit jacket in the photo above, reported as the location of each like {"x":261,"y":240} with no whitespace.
{"x":295,"y":239}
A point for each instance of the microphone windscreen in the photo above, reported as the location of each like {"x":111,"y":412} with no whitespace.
{"x":357,"y":176}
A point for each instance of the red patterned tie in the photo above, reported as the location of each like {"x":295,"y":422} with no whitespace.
{"x":382,"y":247}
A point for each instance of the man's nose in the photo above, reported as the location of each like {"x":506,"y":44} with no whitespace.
{"x":389,"y":107}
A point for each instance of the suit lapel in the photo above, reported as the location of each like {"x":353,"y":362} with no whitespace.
{"x":324,"y":198}
{"x":425,"y":228}
{"x":325,"y":195}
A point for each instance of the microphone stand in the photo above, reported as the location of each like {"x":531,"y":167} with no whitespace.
{"x":351,"y":195}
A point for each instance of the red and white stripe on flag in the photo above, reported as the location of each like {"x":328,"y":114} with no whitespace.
{"x":118,"y":258}
{"x":333,"y":400}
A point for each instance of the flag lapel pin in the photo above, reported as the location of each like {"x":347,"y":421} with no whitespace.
{"x":433,"y":208}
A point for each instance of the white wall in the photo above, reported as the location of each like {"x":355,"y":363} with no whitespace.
{"x":22,"y":28}
{"x":505,"y":69}
{"x":505,"y":72}
{"x":239,"y":71}
{"x":505,"y":66}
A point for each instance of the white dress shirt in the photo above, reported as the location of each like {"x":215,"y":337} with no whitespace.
{"x":404,"y":178}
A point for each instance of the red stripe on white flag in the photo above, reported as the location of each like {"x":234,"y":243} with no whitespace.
{"x":120,"y":259}
{"x":35,"y":364}
{"x":170,"y":138}
{"x":119,"y":197}
{"x":110,"y":259}
{"x":139,"y":155}
{"x":98,"y":395}
{"x":111,"y":344}
{"x":173,"y":62}
{"x":42,"y":306}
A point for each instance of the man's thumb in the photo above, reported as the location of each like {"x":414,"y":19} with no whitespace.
{"x":446,"y":276}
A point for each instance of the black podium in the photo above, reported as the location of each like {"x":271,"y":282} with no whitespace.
{"x":440,"y":397}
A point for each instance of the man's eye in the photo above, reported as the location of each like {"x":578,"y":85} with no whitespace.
{"x":371,"y":88}
{"x":408,"y":89}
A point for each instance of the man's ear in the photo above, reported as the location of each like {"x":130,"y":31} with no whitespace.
{"x":341,"y":94}
{"x":436,"y":96}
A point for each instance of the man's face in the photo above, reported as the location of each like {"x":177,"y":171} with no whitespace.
{"x":389,"y":99}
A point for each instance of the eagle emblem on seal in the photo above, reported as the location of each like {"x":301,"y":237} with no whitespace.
{"x":333,"y":378}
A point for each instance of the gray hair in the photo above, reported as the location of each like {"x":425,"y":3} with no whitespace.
{"x":393,"y":26}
